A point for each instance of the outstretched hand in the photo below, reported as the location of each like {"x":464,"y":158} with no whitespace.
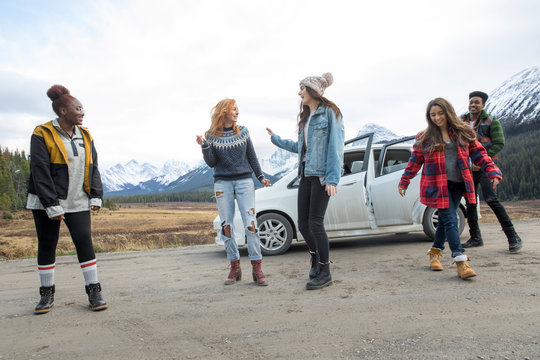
{"x":270,"y":132}
{"x":200,"y":140}
{"x":331,"y":190}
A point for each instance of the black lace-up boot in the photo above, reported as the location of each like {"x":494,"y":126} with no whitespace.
{"x":514,"y":241}
{"x":314,"y":265}
{"x":322,"y":279}
{"x":94,"y":297}
{"x":47,"y":300}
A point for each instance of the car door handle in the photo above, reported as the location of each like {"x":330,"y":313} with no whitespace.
{"x":351,"y":183}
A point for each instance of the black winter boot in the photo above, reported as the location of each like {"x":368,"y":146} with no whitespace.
{"x":322,"y":279}
{"x":47,"y":300}
{"x":94,"y":297}
{"x":474,"y":229}
{"x":314,"y":265}
{"x":474,"y":241}
{"x":514,"y":241}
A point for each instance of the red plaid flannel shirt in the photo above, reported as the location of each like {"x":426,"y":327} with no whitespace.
{"x":433,"y":184}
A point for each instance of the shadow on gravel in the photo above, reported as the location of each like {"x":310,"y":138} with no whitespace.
{"x":361,"y":242}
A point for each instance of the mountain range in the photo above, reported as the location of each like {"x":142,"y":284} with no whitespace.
{"x":516,"y":101}
{"x":133,"y":178}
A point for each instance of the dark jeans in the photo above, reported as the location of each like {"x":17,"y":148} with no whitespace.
{"x":312,"y":204}
{"x":447,"y":227}
{"x":48,"y":232}
{"x":491,"y":198}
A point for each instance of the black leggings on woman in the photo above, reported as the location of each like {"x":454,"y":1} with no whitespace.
{"x":312,"y":204}
{"x":48,"y":232}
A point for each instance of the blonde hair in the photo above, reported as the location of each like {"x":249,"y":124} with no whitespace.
{"x":218,"y":115}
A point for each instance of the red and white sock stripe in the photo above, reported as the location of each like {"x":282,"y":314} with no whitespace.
{"x":46,"y":269}
{"x":89,"y":265}
{"x":89,"y":269}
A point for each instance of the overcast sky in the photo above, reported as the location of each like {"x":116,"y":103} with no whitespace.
{"x":149,"y":72}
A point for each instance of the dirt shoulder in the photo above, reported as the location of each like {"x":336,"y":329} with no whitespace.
{"x":385,"y":304}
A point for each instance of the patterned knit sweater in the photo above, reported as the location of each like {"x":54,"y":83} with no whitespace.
{"x":232,"y":156}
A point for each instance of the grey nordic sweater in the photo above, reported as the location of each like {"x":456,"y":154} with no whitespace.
{"x":231,"y":156}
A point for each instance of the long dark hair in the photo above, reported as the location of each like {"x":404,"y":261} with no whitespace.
{"x":457,"y":128}
{"x":303,"y":116}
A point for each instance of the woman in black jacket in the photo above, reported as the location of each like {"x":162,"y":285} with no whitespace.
{"x":64,"y":185}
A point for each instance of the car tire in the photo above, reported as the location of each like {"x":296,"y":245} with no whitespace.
{"x":275,"y":232}
{"x":429,"y":222}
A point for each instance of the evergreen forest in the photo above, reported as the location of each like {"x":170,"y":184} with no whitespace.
{"x":14,"y":173}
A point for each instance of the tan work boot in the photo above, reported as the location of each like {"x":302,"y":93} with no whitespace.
{"x":463,"y":269}
{"x":434,"y":262}
{"x":235,"y":274}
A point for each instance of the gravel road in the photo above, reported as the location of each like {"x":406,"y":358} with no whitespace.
{"x":385,"y":304}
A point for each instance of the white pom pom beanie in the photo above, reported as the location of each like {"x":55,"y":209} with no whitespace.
{"x":318,"y":83}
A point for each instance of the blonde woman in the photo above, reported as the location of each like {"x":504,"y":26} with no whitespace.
{"x":227,"y":148}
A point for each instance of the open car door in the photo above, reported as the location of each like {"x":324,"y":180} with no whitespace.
{"x":347,"y":210}
{"x":389,"y":208}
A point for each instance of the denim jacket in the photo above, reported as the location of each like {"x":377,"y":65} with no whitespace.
{"x":324,"y":156}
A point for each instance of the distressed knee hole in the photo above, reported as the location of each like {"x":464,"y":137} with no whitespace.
{"x":252,"y":228}
{"x":219,"y":193}
{"x":252,"y":211}
{"x":226,"y":229}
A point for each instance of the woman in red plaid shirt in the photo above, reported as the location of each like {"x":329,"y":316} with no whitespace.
{"x":444,"y":148}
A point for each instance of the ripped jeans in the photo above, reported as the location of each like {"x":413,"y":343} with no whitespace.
{"x":244,"y":192}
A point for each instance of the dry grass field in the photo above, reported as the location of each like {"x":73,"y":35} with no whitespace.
{"x":131,"y":227}
{"x":159,"y":225}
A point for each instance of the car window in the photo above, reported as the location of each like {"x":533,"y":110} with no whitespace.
{"x":395,"y":160}
{"x":294,"y":184}
{"x":352,"y":162}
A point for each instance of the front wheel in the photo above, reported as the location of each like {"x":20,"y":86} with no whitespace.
{"x":275,"y":232}
{"x":431,"y":219}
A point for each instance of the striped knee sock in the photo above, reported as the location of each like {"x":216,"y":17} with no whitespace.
{"x":89,"y":269}
{"x":46,"y":275}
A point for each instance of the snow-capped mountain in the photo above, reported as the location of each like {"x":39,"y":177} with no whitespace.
{"x":120,"y":177}
{"x":177,"y":176}
{"x":381,"y":135}
{"x":199,"y":177}
{"x":132,"y":174}
{"x":517,"y":100}
{"x":280,"y":162}
{"x":171,"y":171}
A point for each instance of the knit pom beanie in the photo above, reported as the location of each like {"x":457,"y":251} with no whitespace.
{"x":318,"y":83}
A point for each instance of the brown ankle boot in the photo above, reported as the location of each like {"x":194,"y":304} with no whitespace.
{"x":235,"y":274}
{"x":434,"y":262}
{"x":464,"y":270}
{"x":258,"y":275}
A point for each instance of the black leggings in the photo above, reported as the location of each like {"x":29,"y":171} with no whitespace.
{"x":48,"y":232}
{"x":312,"y":204}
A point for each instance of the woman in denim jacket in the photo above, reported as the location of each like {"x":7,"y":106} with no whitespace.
{"x":320,"y":158}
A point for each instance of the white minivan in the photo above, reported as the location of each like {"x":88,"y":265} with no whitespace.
{"x":367,"y":200}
